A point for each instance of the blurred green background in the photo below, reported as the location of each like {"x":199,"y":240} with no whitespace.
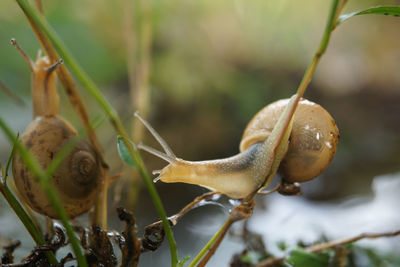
{"x":213,"y":65}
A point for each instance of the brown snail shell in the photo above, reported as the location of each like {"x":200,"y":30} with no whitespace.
{"x":312,"y":143}
{"x":77,"y":179}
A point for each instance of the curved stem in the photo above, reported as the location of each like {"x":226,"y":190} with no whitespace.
{"x":25,"y":219}
{"x":333,"y":15}
{"x":91,"y":87}
{"x":330,"y":244}
{"x":209,"y":244}
{"x":11,"y":95}
{"x":44,"y":178}
{"x":72,"y":92}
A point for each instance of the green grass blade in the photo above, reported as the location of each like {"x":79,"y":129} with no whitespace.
{"x":21,"y":213}
{"x":135,"y":157}
{"x":61,"y":154}
{"x":43,"y":179}
{"x":70,"y":61}
{"x":379,"y":10}
{"x":27,"y":221}
{"x":90,"y":86}
{"x":9,"y":161}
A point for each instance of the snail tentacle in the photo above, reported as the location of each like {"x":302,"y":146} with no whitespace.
{"x":159,"y":139}
{"x":155,"y":152}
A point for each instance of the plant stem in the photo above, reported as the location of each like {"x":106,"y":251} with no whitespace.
{"x":25,"y":219}
{"x":241,"y":212}
{"x":334,"y":243}
{"x":11,"y":184}
{"x":331,"y":244}
{"x":134,"y":153}
{"x":112,"y":114}
{"x":300,"y":91}
{"x":72,"y":63}
{"x":138,"y":74}
{"x":11,"y":95}
{"x":12,"y":187}
{"x":321,"y":49}
{"x":72,"y":92}
{"x":44,"y":181}
{"x":209,"y":243}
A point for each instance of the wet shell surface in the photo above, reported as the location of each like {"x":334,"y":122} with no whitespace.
{"x":312,"y":143}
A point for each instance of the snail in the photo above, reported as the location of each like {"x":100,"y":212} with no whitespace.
{"x":78,"y":178}
{"x":307,"y":152}
{"x":313,"y":139}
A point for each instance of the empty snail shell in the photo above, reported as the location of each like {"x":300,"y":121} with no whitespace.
{"x":311,"y":146}
{"x":78,"y":178}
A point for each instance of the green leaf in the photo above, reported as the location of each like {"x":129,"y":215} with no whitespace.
{"x":379,"y":10}
{"x":301,"y":258}
{"x":10,"y":160}
{"x":123,"y":151}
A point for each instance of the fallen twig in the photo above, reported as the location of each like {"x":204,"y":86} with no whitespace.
{"x":331,"y":244}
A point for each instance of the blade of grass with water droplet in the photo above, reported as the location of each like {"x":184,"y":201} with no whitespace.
{"x":379,"y":10}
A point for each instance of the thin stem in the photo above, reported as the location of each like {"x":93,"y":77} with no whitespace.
{"x":60,"y":156}
{"x":70,"y":61}
{"x":241,"y":212}
{"x":209,"y":244}
{"x":300,"y":92}
{"x":340,"y":8}
{"x":25,"y":219}
{"x":321,"y":49}
{"x":333,"y":15}
{"x":113,"y":116}
{"x":132,"y":179}
{"x":11,"y":184}
{"x":39,"y":5}
{"x":63,"y":74}
{"x":134,"y":153}
{"x":28,"y":210}
{"x":9,"y":162}
{"x":103,"y":199}
{"x":174,"y":219}
{"x":138,"y":43}
{"x":72,"y":92}
{"x":331,"y":244}
{"x":192,"y":205}
{"x":140,"y":92}
{"x":43,"y":178}
{"x":13,"y":96}
{"x":215,"y":244}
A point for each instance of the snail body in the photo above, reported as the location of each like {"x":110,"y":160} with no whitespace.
{"x":306,"y":150}
{"x":78,"y":178}
{"x":235,"y":176}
